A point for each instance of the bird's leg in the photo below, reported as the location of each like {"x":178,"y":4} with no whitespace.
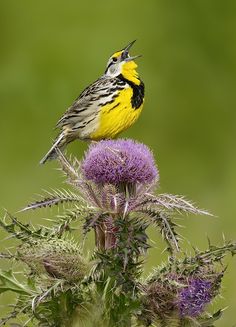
{"x":93,"y":142}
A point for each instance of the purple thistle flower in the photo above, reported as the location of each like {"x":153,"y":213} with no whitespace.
{"x":119,"y":162}
{"x":193,"y":298}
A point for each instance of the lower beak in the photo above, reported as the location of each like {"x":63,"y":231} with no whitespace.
{"x":132,"y":58}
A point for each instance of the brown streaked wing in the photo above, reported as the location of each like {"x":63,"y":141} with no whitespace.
{"x":79,"y":109}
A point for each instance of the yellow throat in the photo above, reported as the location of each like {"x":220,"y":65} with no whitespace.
{"x":129,"y":72}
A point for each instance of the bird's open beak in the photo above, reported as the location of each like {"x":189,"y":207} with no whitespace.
{"x":125,"y":52}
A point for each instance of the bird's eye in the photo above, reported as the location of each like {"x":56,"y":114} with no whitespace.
{"x":114,"y":59}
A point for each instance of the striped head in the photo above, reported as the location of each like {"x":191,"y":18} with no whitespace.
{"x":121,"y":63}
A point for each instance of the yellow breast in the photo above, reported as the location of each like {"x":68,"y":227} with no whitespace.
{"x":117,"y":116}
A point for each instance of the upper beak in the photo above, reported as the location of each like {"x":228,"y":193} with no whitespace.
{"x":126,"y":49}
{"x":125,"y":53}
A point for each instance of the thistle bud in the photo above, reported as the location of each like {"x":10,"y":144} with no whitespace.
{"x":57,"y":258}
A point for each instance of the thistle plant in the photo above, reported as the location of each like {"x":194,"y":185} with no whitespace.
{"x":113,"y":193}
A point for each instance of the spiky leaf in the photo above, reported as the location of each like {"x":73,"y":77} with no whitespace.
{"x":166,"y":226}
{"x":20,"y":230}
{"x":52,"y":198}
{"x":70,"y":167}
{"x":10,"y":283}
{"x":173,"y":202}
{"x":208,"y":322}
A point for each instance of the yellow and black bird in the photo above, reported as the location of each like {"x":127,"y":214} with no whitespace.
{"x":106,"y":107}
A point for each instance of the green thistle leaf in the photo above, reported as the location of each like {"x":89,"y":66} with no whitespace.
{"x":19,"y":230}
{"x":216,"y":253}
{"x":208,"y":322}
{"x":10,"y":283}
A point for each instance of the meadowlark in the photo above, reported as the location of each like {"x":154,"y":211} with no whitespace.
{"x":105,"y":108}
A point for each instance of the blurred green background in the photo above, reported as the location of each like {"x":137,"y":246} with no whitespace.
{"x":51,"y":50}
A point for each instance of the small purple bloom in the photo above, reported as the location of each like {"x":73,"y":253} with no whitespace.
{"x":193,"y":298}
{"x":119,"y":162}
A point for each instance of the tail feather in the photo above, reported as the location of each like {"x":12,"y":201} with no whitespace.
{"x":59,"y":143}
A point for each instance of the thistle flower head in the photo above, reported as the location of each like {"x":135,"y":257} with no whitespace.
{"x":119,"y":162}
{"x":186,"y":297}
{"x":57,"y":258}
{"x":183,"y":288}
{"x":193,"y":298}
